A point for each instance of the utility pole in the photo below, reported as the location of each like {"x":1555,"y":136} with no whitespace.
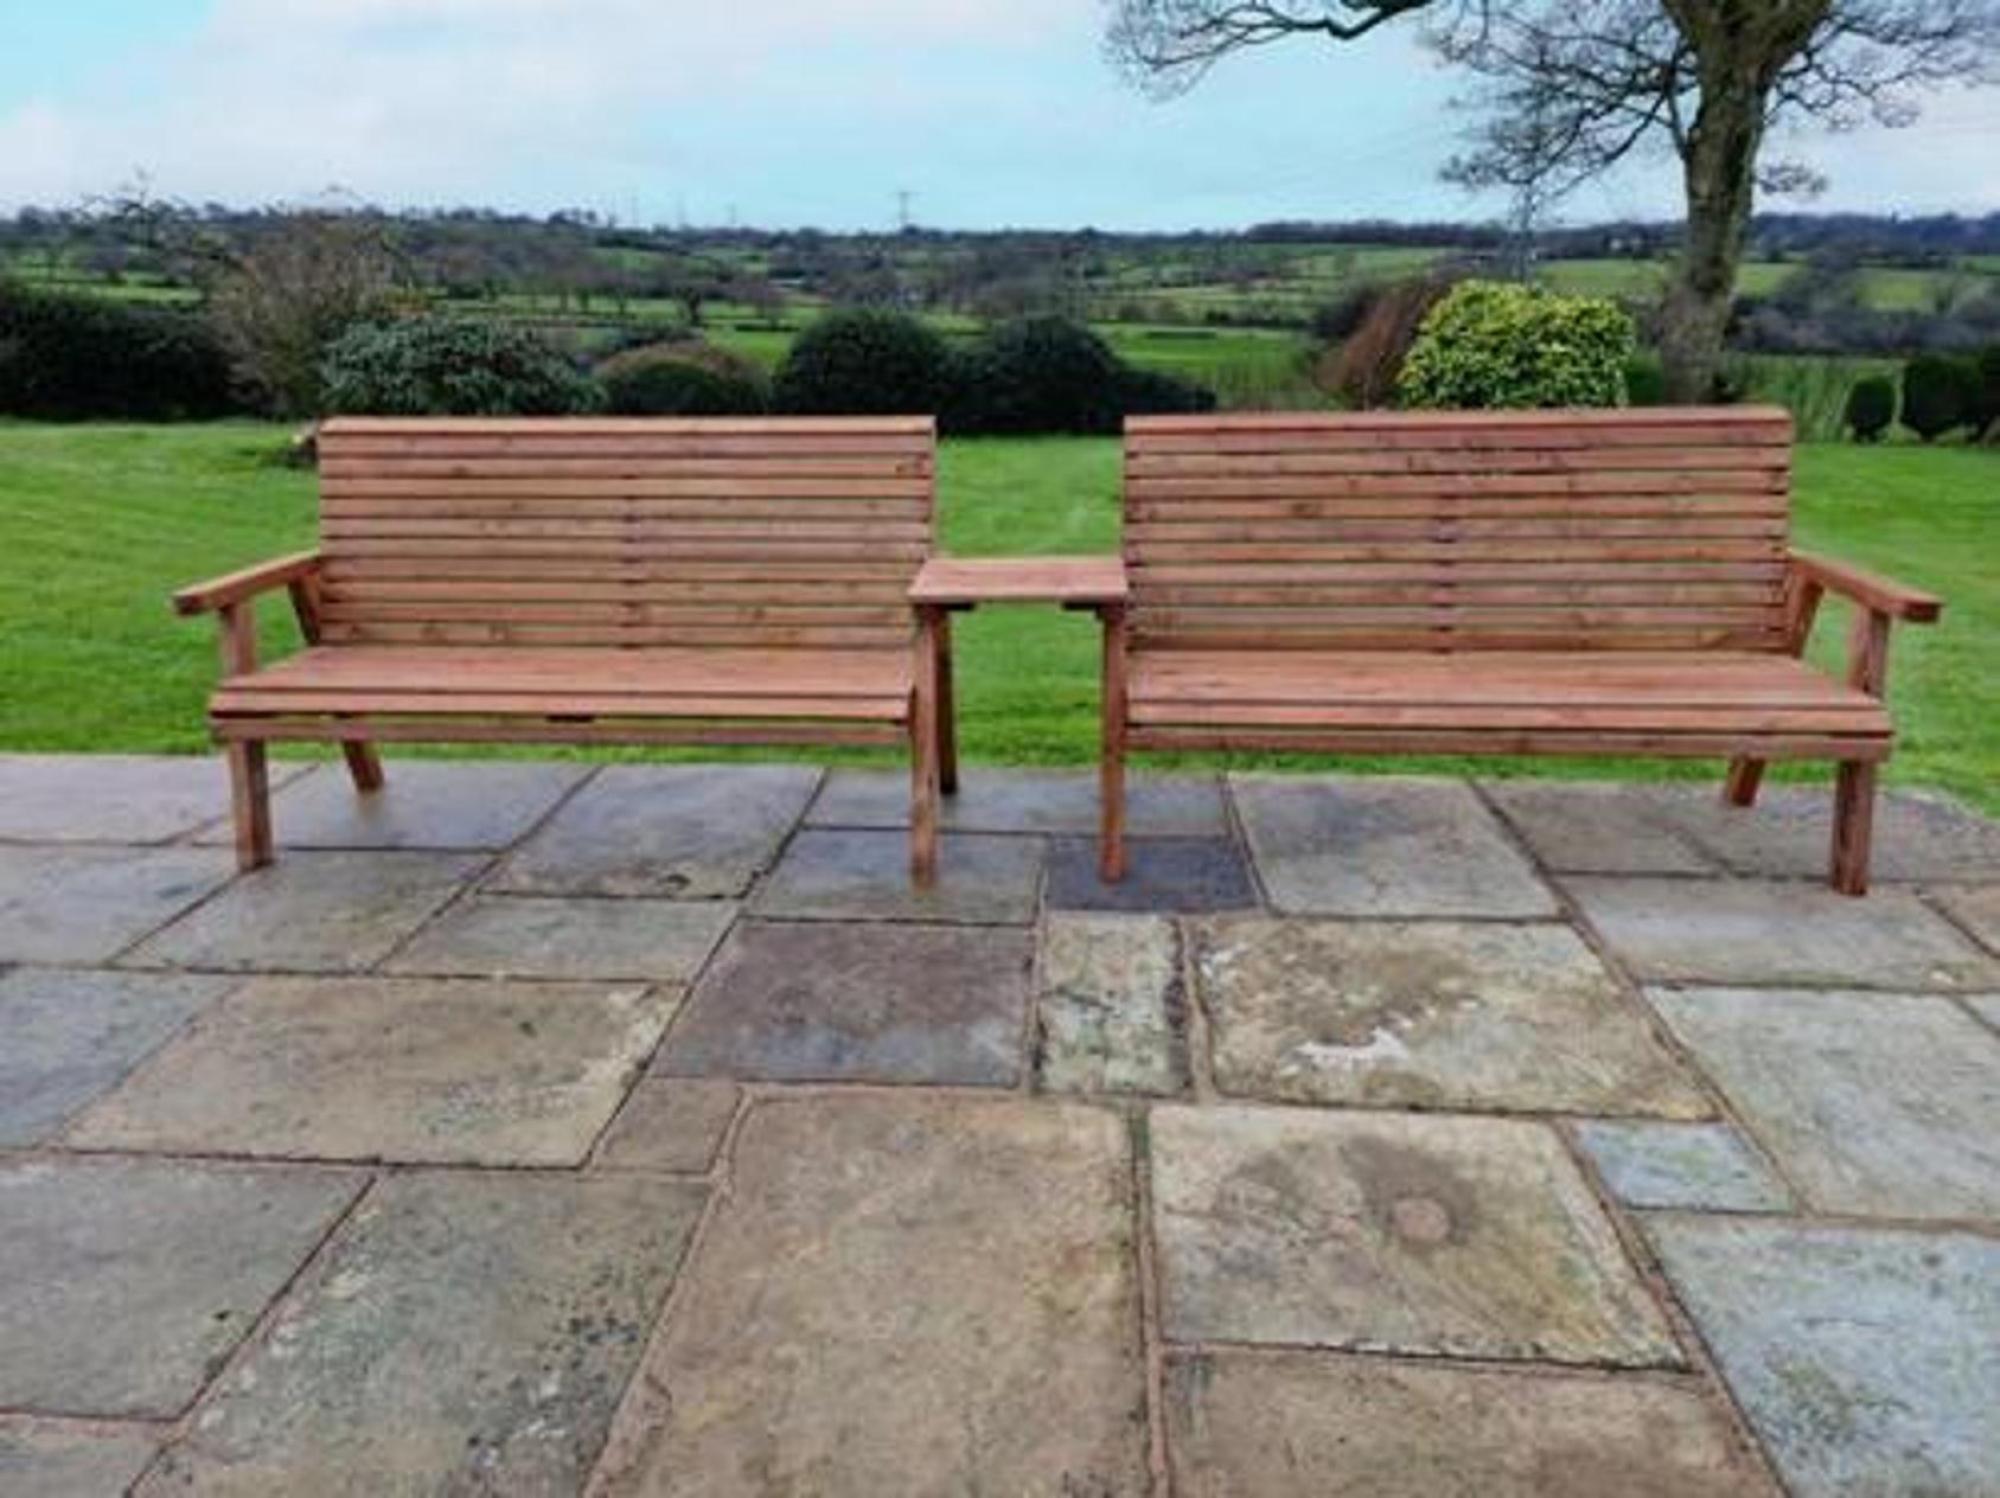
{"x":904,"y":197}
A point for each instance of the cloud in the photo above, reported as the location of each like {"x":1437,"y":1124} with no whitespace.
{"x":449,"y":100}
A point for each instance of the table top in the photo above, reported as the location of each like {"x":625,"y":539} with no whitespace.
{"x":1076,"y":582}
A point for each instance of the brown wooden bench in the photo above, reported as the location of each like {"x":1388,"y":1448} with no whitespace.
{"x":1605,"y":583}
{"x":590,"y":582}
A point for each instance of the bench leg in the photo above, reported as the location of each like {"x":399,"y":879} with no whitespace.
{"x":364,"y":765}
{"x":947,"y":712}
{"x":1745,"y":777}
{"x":1111,"y":771}
{"x":1853,"y":825}
{"x":923,"y":796}
{"x":250,"y":803}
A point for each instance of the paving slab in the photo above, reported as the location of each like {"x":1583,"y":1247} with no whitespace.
{"x":1731,"y":931}
{"x":124,"y":1283}
{"x":1387,"y":846}
{"x":1976,"y":908}
{"x":1038,"y":801}
{"x":461,"y":1334}
{"x":89,"y":904}
{"x":1601,"y":827}
{"x":71,"y":1034}
{"x":1321,"y":1426}
{"x":697,"y":832}
{"x":527,"y":936}
{"x":423,"y":803}
{"x":1882,"y":1105}
{"x":1918,"y":834}
{"x":829,"y":875}
{"x":1161,"y":874}
{"x":1110,"y":1014}
{"x":313,"y":912}
{"x":405,"y":1069}
{"x":903,"y":1296}
{"x":1703,"y":1166}
{"x":672,"y":1126}
{"x":1867,"y":1360}
{"x":114,"y":798}
{"x":1459,"y":1237}
{"x":1431,"y":1014}
{"x":44,"y":1459}
{"x":815,"y":1001}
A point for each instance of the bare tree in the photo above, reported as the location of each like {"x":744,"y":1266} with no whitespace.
{"x":1568,"y":89}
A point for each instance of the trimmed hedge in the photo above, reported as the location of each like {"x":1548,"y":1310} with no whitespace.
{"x":1941,"y":393}
{"x":1502,"y":345}
{"x":1871,"y":408}
{"x":682,"y":379}
{"x":78,"y":358}
{"x":864,"y":361}
{"x":446,"y":366}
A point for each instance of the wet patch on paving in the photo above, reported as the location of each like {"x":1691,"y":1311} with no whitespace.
{"x":1434,"y":1015}
{"x":822,"y":1002}
{"x":406,"y":1069}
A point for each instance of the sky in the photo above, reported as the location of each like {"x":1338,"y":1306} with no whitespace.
{"x":779,"y":113}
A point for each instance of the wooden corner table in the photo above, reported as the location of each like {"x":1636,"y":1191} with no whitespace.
{"x":953,"y":585}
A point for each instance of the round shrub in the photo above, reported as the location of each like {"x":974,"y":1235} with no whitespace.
{"x":1871,"y":408}
{"x":1151,"y":392}
{"x":1040,"y":374}
{"x":682,"y":379}
{"x":1988,"y":362}
{"x":78,"y":358}
{"x":864,"y":361}
{"x":446,"y":366}
{"x":1498,"y":344}
{"x":1940,"y":393}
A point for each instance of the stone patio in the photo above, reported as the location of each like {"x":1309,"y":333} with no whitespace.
{"x":540,"y":1128}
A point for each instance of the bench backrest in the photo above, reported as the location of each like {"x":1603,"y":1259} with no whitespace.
{"x":1631,"y":529}
{"x":747,"y":532}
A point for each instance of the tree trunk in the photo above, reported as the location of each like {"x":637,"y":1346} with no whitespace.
{"x":1720,"y":162}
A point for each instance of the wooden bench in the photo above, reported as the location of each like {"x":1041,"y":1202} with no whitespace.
{"x":589,"y":582}
{"x":1604,"y":583}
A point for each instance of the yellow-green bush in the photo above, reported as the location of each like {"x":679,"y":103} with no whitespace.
{"x":1497,"y":344}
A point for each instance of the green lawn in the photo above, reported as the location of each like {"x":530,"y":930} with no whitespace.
{"x":99,"y":523}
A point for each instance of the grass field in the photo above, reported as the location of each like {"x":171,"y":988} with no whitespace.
{"x":99,"y":523}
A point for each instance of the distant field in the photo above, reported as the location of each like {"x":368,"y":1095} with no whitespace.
{"x":99,"y":523}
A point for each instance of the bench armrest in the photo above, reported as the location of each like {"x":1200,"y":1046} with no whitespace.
{"x":1880,"y":594}
{"x":234,"y":587}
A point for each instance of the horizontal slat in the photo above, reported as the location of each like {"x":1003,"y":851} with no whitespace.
{"x":1443,"y":640}
{"x":660,"y":671}
{"x":1493,"y":741}
{"x":1511,"y":439}
{"x":1568,"y":717}
{"x":1489,"y":506}
{"x":547,"y":612}
{"x":778,"y":571}
{"x":662,"y":550}
{"x":915,"y":462}
{"x":665,"y":485}
{"x":1288,"y":575}
{"x":504,"y":633}
{"x":341,"y":427}
{"x":1443,"y":487}
{"x":530,"y":731}
{"x":337,"y":530}
{"x":1648,"y":550}
{"x":1466,"y":593}
{"x":560,"y":443}
{"x":249,"y":701}
{"x":1144,"y":462}
{"x":1444,"y":532}
{"x":886,"y":591}
{"x":483,"y":507}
